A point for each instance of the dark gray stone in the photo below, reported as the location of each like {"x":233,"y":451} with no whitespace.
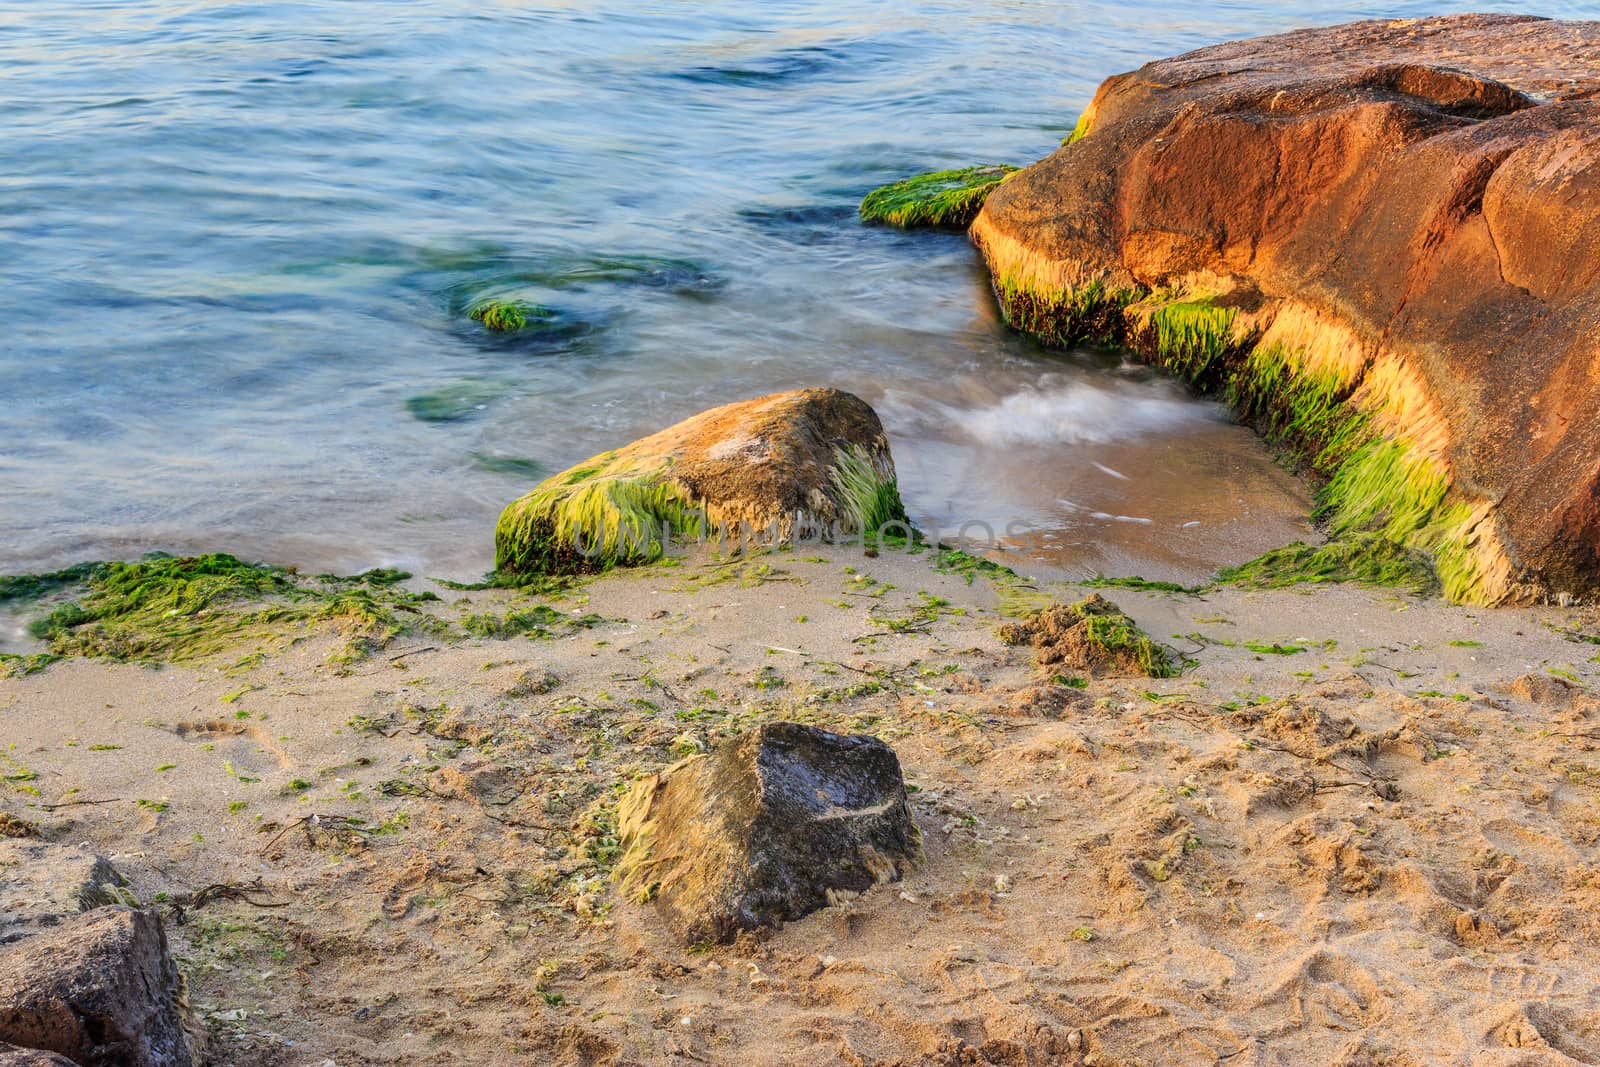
{"x":12,"y":1056}
{"x":101,"y":989}
{"x":768,"y":827}
{"x":42,"y":885}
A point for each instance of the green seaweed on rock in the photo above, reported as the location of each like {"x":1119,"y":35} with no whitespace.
{"x":1306,"y":411}
{"x":1191,"y":338}
{"x":1384,"y":487}
{"x":591,"y":520}
{"x":1079,"y":131}
{"x":1373,"y":484}
{"x":510,"y":316}
{"x":613,"y":511}
{"x":869,"y":498}
{"x":1091,"y":313}
{"x":949,"y":198}
{"x":1364,"y":559}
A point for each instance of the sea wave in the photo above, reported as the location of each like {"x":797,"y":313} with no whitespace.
{"x":1073,"y":412}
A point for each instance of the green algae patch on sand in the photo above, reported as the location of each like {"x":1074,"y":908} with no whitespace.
{"x":1094,"y":636}
{"x":540,"y":622}
{"x":1143,"y":585}
{"x":178,"y":609}
{"x":945,"y":198}
{"x":1362,"y":559}
{"x":15,"y":666}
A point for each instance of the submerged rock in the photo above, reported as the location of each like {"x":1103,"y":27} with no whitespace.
{"x":768,"y":827}
{"x":510,"y":316}
{"x":948,"y":198}
{"x":100,"y":989}
{"x":780,"y":466}
{"x":1381,"y":241}
{"x":458,"y":400}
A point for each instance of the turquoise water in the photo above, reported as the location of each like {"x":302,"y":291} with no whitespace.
{"x":236,"y":240}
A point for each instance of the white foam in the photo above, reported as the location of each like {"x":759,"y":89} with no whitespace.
{"x":1081,"y":413}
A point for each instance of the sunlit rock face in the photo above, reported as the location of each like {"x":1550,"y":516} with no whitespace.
{"x":1379,"y":241}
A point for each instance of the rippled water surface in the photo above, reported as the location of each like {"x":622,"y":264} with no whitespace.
{"x":237,"y":239}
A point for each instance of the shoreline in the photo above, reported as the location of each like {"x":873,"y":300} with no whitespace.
{"x":452,"y":902}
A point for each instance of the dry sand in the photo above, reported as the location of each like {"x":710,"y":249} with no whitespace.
{"x":1383,"y":849}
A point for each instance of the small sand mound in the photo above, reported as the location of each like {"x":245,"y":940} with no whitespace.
{"x":1093,"y":636}
{"x":11,"y":826}
{"x":1044,"y":701}
{"x":1540,"y":689}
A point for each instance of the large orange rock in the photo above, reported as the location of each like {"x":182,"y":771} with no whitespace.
{"x":1382,"y":241}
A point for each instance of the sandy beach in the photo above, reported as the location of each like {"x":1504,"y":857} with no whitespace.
{"x":1359,"y":828}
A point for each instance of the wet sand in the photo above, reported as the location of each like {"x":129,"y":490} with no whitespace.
{"x":1381,"y":848}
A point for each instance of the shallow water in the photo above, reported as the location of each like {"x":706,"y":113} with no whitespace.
{"x":237,"y":239}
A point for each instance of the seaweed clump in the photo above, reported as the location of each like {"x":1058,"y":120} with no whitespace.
{"x":167,"y":608}
{"x":34,"y":586}
{"x":1366,"y":559}
{"x":616,"y":511}
{"x":950,"y":198}
{"x":590,"y":519}
{"x":510,"y":316}
{"x":1093,"y":636}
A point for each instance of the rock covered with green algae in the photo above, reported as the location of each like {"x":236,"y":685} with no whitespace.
{"x":943,"y":198}
{"x":510,"y":316}
{"x":1378,"y":242}
{"x":767,"y":828}
{"x":813,"y":460}
{"x":1092,"y":635}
